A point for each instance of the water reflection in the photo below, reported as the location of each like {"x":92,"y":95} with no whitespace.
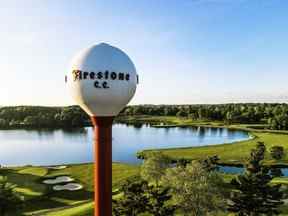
{"x":277,"y":172}
{"x":48,"y":147}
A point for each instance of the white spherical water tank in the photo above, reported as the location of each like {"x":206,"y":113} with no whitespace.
{"x":102,"y":80}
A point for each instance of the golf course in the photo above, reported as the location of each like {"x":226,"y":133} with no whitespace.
{"x":43,"y":199}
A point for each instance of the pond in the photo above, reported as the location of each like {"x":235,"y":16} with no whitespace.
{"x":238,"y":170}
{"x":50,"y":147}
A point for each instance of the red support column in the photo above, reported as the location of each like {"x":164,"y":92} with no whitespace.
{"x":103,"y":165}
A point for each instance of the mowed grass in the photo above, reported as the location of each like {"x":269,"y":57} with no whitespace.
{"x":27,"y":181}
{"x":81,"y":210}
{"x":84,"y":173}
{"x":235,"y":153}
{"x":41,"y":199}
{"x":168,"y":120}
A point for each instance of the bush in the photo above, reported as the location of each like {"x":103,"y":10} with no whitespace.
{"x":277,"y":152}
{"x":194,"y":190}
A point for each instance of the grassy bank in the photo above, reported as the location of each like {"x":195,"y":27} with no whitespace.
{"x":235,"y":153}
{"x":229,"y":154}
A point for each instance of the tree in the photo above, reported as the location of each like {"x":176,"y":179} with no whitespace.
{"x":9,"y":199}
{"x":158,"y":197}
{"x":253,"y":194}
{"x":210,"y":163}
{"x":154,"y":167}
{"x":194,"y":190}
{"x":31,"y":120}
{"x":276,"y":172}
{"x":277,"y":152}
{"x":3,"y":123}
{"x":229,"y":117}
{"x":182,"y":162}
{"x":181,"y":113}
{"x":273,"y":124}
{"x":140,"y":197}
{"x":134,"y":200}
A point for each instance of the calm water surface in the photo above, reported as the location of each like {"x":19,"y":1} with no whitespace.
{"x":49,"y":147}
{"x":238,"y":170}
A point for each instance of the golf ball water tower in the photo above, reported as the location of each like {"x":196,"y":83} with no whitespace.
{"x":102,"y":80}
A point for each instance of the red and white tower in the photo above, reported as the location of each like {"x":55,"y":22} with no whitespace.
{"x":102,"y":80}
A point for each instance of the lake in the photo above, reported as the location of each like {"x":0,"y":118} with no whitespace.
{"x":50,"y":147}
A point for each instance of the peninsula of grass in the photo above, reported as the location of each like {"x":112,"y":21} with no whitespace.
{"x":231,"y":154}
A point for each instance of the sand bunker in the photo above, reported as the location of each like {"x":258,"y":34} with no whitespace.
{"x":69,"y":186}
{"x":57,"y":167}
{"x":57,"y":180}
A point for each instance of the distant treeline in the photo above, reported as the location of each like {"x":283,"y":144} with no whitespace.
{"x":42,"y":117}
{"x":275,"y":116}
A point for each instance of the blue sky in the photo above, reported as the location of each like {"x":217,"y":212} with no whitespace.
{"x":185,"y":51}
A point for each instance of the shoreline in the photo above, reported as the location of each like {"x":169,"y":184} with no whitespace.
{"x":269,"y":137}
{"x":255,"y":135}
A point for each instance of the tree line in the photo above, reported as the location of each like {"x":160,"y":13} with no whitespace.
{"x":273,"y":116}
{"x":37,"y":116}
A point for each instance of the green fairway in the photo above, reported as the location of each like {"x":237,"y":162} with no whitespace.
{"x":40,"y":199}
{"x":84,"y":173}
{"x":85,"y":209}
{"x":166,"y":120}
{"x":235,"y":153}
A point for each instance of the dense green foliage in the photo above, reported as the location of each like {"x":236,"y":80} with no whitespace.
{"x":36,"y":116}
{"x":196,"y":191}
{"x":274,"y":116}
{"x":141,"y":197}
{"x":134,"y":200}
{"x":154,"y":167}
{"x":277,"y":152}
{"x":9,"y":198}
{"x":158,"y":199}
{"x":195,"y":188}
{"x":254,"y":194}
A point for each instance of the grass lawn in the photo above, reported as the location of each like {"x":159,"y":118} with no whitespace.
{"x":235,"y":153}
{"x":167,"y":120}
{"x":41,"y":199}
{"x":81,"y":210}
